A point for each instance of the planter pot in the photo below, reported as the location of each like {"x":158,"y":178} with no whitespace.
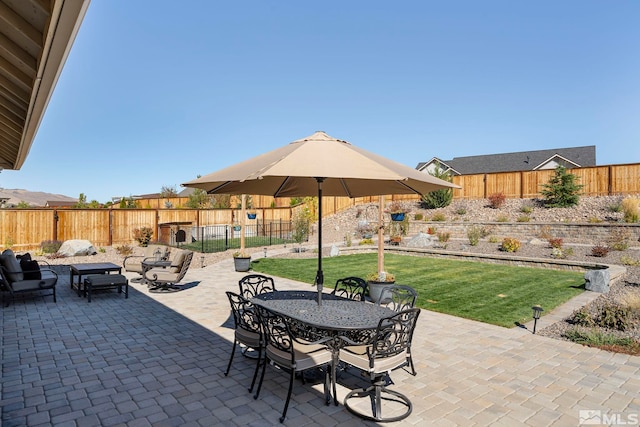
{"x":242,"y":264}
{"x":375,"y":289}
{"x":398,"y":216}
{"x":251,"y":215}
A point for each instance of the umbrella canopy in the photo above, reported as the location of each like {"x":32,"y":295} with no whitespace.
{"x":291,"y":171}
{"x":322,"y":165}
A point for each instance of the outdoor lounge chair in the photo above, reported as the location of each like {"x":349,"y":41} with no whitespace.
{"x":387,"y":351}
{"x":164,"y":279}
{"x":15,"y":279}
{"x":133,"y":263}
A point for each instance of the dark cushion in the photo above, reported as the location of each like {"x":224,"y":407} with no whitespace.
{"x":11,"y":266}
{"x":30,"y":268}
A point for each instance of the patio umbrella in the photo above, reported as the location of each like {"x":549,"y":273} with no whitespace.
{"x":322,"y":165}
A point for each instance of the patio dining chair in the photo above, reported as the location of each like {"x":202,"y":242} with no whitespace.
{"x":289,"y":354}
{"x":398,"y":298}
{"x":248,"y":332}
{"x":255,"y":284}
{"x":353,"y":288}
{"x":387,"y":351}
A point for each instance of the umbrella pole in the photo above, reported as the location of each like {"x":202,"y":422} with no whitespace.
{"x":380,"y":235}
{"x":243,"y":215}
{"x":319,"y":274}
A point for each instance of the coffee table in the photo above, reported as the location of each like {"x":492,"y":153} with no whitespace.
{"x":90,"y":268}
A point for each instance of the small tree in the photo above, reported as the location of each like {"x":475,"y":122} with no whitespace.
{"x":439,"y":198}
{"x":561,"y":191}
{"x":199,"y":199}
{"x":301,"y":225}
{"x":168,"y":191}
{"x":82,"y":202}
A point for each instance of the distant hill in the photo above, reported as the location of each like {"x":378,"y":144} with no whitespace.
{"x":34,"y":198}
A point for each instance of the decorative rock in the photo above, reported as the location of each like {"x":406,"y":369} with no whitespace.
{"x":334,"y":251}
{"x":536,"y":241}
{"x":77,"y":248}
{"x":422,"y":240}
{"x":597,"y":280}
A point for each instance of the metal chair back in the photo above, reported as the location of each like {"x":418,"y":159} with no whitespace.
{"x":255,"y":284}
{"x":353,"y":288}
{"x":398,"y":297}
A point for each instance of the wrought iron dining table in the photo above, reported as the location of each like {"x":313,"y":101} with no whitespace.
{"x":336,"y":323}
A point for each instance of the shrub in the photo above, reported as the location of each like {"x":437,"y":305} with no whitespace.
{"x":582,"y":318}
{"x":595,"y":338}
{"x":143,"y":235}
{"x":439,"y":198}
{"x":366,"y":242}
{"x":561,"y":253}
{"x":599,"y":251}
{"x":124,"y":250}
{"x":594,"y":220}
{"x":347,"y":240}
{"x":561,"y":191}
{"x":630,"y":209}
{"x":474,"y":234}
{"x":443,"y":237}
{"x":510,"y":244}
{"x":615,"y":207}
{"x":431,"y":230}
{"x":615,"y":317}
{"x":496,"y":200}
{"x":494,"y":239}
{"x":555,"y":242}
{"x":618,"y":239}
{"x":502,"y":218}
{"x":627,"y":260}
{"x":524,"y":218}
{"x":418,"y":217}
{"x":50,"y":246}
{"x":632,"y":302}
{"x":462,"y":210}
{"x":526,"y":209}
{"x":439,"y":217}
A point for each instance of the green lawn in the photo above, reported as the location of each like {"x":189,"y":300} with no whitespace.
{"x":497,"y":294}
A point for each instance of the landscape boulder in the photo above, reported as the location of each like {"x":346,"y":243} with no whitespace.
{"x":422,"y":240}
{"x":77,"y":248}
{"x":597,"y":280}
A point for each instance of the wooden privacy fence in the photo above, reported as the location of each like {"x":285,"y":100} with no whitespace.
{"x":596,"y":181}
{"x":25,"y":229}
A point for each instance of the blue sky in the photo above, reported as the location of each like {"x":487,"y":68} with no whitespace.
{"x":157,"y":92}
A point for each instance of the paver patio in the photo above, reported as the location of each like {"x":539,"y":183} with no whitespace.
{"x":158,"y":359}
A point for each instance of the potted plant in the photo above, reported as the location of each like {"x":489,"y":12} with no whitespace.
{"x":377,"y":281}
{"x":241,"y":261}
{"x":396,"y":211}
{"x":251,"y":215}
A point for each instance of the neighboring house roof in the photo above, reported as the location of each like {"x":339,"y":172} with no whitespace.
{"x":35,"y":39}
{"x":512,"y":162}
